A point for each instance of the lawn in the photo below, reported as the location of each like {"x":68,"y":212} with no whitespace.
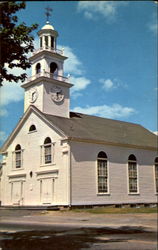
{"x":114,"y":210}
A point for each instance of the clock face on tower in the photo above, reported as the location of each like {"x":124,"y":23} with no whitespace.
{"x":57,"y":95}
{"x":33,"y":95}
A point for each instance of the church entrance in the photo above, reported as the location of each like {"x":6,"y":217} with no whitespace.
{"x":47,"y":190}
{"x":17,"y":193}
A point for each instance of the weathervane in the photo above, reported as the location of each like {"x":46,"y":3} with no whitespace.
{"x":48,"y":13}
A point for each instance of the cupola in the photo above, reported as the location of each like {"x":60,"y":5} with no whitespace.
{"x":48,"y":36}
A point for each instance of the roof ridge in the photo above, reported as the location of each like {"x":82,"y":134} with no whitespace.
{"x":100,"y":117}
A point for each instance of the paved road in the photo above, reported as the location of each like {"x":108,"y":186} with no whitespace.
{"x":23,"y":230}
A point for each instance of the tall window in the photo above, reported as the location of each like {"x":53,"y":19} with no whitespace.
{"x":132,"y":174}
{"x":47,"y":150}
{"x":38,"y":68}
{"x":102,"y":173}
{"x":156,"y":174}
{"x":18,"y":154}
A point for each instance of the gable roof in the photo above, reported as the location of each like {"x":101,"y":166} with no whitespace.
{"x":93,"y":129}
{"x":31,"y":109}
{"x":103,"y":130}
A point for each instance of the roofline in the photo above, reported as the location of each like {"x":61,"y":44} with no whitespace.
{"x":100,"y":117}
{"x":49,"y":53}
{"x":50,"y":80}
{"x":112,"y":143}
{"x":21,"y":121}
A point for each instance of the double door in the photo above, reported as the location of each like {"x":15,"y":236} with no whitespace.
{"x":47,"y":190}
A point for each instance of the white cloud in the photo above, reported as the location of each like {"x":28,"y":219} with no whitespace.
{"x":3,"y":136}
{"x":115,"y":111}
{"x":153,"y":27}
{"x":107,"y":9}
{"x":80,"y":83}
{"x":75,"y":95}
{"x":72,"y":65}
{"x":10,"y":92}
{"x":3,"y":112}
{"x":153,"y":24}
{"x":107,"y":84}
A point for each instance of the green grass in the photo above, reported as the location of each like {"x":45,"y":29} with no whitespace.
{"x":113,"y":210}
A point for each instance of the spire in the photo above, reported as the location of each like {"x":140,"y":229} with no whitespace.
{"x":48,"y":14}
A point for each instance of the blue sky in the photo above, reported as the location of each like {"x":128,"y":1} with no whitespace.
{"x":112,"y":59}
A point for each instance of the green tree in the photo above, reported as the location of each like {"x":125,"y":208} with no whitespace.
{"x":16,"y":41}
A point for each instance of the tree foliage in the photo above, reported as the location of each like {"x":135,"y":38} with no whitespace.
{"x":16,"y":41}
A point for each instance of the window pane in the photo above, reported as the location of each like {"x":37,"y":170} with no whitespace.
{"x":132,"y":172}
{"x":17,"y":159}
{"x":133,"y":185}
{"x":102,"y":176}
{"x":47,"y":154}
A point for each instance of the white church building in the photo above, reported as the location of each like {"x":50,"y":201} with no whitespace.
{"x":55,"y":157}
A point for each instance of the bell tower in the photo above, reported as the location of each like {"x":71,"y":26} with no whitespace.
{"x":48,"y":88}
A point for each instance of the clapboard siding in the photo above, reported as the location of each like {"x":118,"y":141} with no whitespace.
{"x":84,"y":174}
{"x":31,"y":145}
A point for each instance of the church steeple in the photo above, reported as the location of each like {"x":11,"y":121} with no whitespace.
{"x":48,"y":88}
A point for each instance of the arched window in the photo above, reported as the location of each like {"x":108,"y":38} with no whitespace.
{"x":156,"y":174}
{"x":18,"y":153}
{"x":38,"y":68}
{"x":32,"y":128}
{"x":47,"y":150}
{"x":53,"y":68}
{"x":102,"y":172}
{"x":132,"y":174}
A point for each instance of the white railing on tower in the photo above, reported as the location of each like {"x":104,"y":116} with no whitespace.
{"x":57,"y":51}
{"x":48,"y":75}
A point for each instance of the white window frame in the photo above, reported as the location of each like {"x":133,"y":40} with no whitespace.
{"x":137,"y":182}
{"x":14,"y":166}
{"x":107,"y":177}
{"x":43,"y":163}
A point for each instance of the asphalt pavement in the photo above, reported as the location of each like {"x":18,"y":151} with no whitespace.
{"x":55,"y":230}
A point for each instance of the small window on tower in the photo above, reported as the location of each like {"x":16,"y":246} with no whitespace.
{"x":53,"y":68}
{"x":38,"y":68}
{"x":40,"y":42}
{"x":46,"y":41}
{"x":52,"y":42}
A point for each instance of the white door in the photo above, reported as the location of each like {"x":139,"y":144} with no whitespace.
{"x":47,"y":188}
{"x":17,"y":191}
